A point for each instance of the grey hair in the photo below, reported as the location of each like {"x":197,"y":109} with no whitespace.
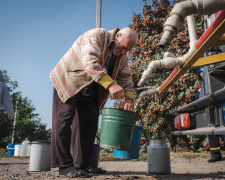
{"x":127,"y":32}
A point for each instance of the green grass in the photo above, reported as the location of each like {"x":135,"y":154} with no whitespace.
{"x":4,"y":154}
{"x":108,"y":156}
{"x":143,"y":156}
{"x":190,"y":155}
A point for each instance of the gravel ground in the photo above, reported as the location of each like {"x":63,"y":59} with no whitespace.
{"x":198,"y":168}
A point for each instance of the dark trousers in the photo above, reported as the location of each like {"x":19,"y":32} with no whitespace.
{"x":75,"y":121}
{"x":214,"y":144}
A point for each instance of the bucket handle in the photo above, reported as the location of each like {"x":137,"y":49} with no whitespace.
{"x":98,"y":139}
{"x":135,"y":111}
{"x":103,"y":102}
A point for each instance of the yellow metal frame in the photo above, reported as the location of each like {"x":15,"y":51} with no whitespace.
{"x":216,"y":38}
{"x":209,"y":60}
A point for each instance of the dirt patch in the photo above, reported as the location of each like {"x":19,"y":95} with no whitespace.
{"x":181,"y":168}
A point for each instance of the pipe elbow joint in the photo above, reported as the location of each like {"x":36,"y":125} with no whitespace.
{"x":148,"y":73}
{"x":183,"y":9}
{"x":174,"y":21}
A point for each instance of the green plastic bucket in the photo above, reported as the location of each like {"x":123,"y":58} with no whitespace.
{"x":117,"y":128}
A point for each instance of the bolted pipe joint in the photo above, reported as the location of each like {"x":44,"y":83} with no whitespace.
{"x":166,"y":62}
{"x":148,"y":73}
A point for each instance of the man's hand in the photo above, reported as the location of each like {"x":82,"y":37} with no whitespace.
{"x":116,"y":91}
{"x":129,"y":105}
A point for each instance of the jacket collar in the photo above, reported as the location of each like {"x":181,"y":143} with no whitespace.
{"x":112,"y":35}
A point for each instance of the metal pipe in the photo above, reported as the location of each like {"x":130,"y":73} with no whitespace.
{"x":186,"y":8}
{"x":208,"y":7}
{"x":168,"y":61}
{"x":143,"y":94}
{"x":192,"y":30}
{"x":207,"y":101}
{"x":202,"y":131}
{"x":98,"y":13}
{"x":179,"y":12}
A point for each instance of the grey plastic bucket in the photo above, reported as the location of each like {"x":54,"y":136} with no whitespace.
{"x":40,"y":156}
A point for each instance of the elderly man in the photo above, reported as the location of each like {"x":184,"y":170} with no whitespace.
{"x":5,"y":98}
{"x":95,"y":66}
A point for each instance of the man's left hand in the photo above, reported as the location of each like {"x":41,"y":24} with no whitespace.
{"x":129,"y":105}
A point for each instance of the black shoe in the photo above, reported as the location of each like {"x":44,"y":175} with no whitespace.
{"x":92,"y":169}
{"x":214,"y":159}
{"x":72,"y":172}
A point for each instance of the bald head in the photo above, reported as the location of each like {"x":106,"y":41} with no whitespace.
{"x":125,"y":40}
{"x":128,"y":32}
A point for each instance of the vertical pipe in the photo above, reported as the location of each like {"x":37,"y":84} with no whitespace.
{"x":207,"y":81}
{"x":98,"y":13}
{"x":192,"y":30}
{"x":98,"y":25}
{"x":216,"y":116}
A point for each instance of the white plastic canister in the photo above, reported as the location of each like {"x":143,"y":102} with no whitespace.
{"x":25,"y":148}
{"x":40,"y":156}
{"x":17,"y":150}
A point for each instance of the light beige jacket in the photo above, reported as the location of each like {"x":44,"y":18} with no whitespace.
{"x":84,"y":63}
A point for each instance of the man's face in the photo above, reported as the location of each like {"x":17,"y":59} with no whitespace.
{"x":123,"y":44}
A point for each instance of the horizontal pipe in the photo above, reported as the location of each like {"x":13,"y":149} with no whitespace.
{"x":207,"y":101}
{"x":167,"y":62}
{"x":208,"y":7}
{"x":201,"y":131}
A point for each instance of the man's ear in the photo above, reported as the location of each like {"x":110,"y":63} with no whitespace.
{"x":117,"y":36}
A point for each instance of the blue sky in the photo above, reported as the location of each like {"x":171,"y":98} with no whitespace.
{"x":35,"y":34}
